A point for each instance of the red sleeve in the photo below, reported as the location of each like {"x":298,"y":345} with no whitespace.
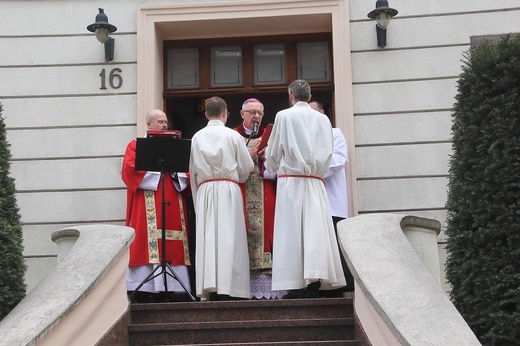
{"x":131,"y":178}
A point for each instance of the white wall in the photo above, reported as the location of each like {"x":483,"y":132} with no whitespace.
{"x":403,"y":95}
{"x":68,"y":137}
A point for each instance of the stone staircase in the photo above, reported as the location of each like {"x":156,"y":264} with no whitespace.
{"x":320,"y":321}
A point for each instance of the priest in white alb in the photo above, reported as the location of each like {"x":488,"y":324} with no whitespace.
{"x":219,"y":162}
{"x":305,"y":250}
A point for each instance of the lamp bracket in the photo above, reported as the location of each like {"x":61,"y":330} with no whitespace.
{"x":109,"y":49}
{"x":381,"y":36}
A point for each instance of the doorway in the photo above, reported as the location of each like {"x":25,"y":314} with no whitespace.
{"x":186,"y":113}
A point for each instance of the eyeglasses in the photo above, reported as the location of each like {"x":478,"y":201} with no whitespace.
{"x":253,"y":112}
{"x":162,"y":122}
{"x":227,"y":114}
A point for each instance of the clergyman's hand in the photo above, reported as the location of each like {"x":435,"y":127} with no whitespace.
{"x":253,"y":151}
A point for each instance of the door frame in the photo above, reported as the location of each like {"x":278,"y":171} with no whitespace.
{"x":231,"y":19}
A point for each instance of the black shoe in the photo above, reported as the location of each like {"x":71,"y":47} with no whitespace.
{"x":223,"y":297}
{"x":332,"y":293}
{"x":313,"y":290}
{"x":226,"y":297}
{"x":295,"y":294}
{"x":144,"y":297}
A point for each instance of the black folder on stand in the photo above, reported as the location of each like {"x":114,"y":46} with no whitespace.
{"x":162,"y":154}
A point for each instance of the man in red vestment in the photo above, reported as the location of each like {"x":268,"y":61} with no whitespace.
{"x":144,"y":214}
{"x":260,"y":192}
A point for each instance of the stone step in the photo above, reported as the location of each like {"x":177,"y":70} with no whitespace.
{"x":290,"y":343}
{"x":327,"y":321}
{"x":242,"y":310}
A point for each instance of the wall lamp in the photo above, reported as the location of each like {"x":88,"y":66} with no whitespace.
{"x":102,"y":28}
{"x":382,"y":15}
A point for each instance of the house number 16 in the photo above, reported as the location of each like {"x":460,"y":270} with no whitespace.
{"x":114,"y":79}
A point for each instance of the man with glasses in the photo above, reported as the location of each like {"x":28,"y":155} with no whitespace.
{"x":144,"y":214}
{"x":219,"y":163}
{"x":260,"y":192}
{"x":163,"y":123}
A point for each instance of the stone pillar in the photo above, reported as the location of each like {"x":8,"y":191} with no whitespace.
{"x":422,"y":234}
{"x":65,"y":239}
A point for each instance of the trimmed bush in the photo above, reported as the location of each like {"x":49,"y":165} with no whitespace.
{"x":12,"y":263}
{"x":483,"y":224}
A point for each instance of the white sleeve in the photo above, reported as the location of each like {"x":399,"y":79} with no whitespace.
{"x":273,"y":151}
{"x":150,"y":181}
{"x":183,"y":182}
{"x":339,"y":154}
{"x":268,"y":174}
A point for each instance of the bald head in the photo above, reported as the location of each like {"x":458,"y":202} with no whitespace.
{"x":156,"y":120}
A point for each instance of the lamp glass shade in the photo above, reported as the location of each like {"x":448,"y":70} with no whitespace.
{"x":102,"y":34}
{"x":383,"y":19}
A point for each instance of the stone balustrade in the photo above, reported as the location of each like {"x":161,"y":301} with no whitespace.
{"x":398,"y":298}
{"x":82,"y":298}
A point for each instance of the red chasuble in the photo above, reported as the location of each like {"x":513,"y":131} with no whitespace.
{"x":259,"y":207}
{"x":144,"y":214}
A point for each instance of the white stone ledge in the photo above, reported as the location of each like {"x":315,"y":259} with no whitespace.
{"x":81,"y":298}
{"x":397,"y":300}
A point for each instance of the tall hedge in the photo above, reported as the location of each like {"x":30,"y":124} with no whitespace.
{"x":12,"y":264}
{"x":483,"y":224}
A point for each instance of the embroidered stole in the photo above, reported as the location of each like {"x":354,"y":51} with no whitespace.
{"x":155,"y":234}
{"x":254,"y":190}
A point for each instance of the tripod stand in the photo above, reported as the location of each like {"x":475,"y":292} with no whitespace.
{"x":163,"y":155}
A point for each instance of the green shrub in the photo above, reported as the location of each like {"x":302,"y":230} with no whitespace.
{"x":483,"y":224}
{"x":12,"y":264}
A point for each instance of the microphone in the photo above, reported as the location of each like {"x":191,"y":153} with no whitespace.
{"x":254,"y":132}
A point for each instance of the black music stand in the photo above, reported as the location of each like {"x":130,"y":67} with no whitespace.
{"x":163,"y":154}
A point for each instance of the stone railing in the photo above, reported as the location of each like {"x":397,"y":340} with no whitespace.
{"x":398,"y":298}
{"x":82,"y":298}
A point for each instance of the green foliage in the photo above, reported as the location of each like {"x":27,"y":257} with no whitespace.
{"x":483,"y":204}
{"x":12,"y":264}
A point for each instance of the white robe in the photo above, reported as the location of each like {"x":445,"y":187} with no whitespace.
{"x":221,"y":258}
{"x":305,"y":248}
{"x":336,"y":177}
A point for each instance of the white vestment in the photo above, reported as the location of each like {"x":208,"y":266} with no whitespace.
{"x":219,"y":161}
{"x":336,"y":177}
{"x":305,"y":248}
